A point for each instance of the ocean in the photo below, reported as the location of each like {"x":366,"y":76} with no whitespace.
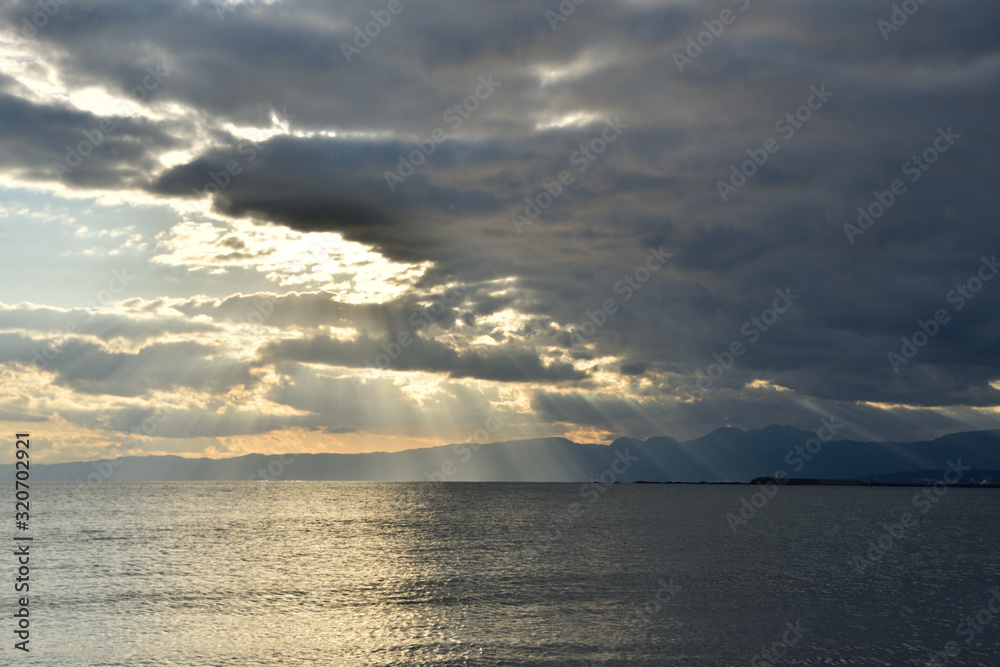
{"x":344,"y":573}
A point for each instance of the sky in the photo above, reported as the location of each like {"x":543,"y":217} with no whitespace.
{"x":267,"y":226}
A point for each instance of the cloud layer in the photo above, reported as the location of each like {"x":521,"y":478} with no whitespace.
{"x":613,"y":204}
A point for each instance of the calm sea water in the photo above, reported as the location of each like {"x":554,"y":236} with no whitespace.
{"x":503,"y":574}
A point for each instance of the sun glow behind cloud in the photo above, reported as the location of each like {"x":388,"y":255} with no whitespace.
{"x":351,"y":272}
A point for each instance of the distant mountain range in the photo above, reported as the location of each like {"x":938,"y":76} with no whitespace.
{"x":727,"y":454}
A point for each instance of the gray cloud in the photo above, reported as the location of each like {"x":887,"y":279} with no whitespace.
{"x":89,"y":368}
{"x":105,"y":326}
{"x":655,"y":185}
{"x":499,"y":364}
{"x":35,"y":137}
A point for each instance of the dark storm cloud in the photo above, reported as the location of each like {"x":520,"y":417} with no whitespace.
{"x":91,"y":151}
{"x":634,"y":368}
{"x":228,"y":67}
{"x":654,"y":185}
{"x":751,"y":408}
{"x":93,"y":370}
{"x":89,"y":368}
{"x":331,"y":185}
{"x":499,"y":364}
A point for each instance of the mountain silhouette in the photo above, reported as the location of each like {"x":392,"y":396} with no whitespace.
{"x":724,"y":455}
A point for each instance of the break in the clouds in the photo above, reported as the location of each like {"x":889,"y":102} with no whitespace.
{"x":292,"y":225}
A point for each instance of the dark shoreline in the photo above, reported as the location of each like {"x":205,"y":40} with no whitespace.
{"x":832,"y":482}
